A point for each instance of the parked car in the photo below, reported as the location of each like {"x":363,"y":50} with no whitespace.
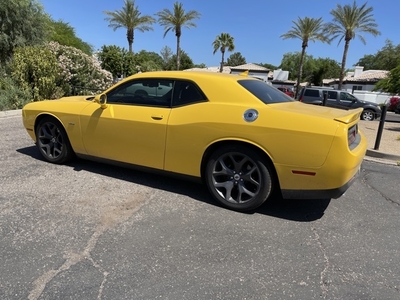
{"x":286,"y":90}
{"x":339,"y":99}
{"x":230,"y":131}
{"x":397,"y":109}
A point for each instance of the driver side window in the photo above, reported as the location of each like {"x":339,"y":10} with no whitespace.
{"x":145,"y":92}
{"x":346,"y":96}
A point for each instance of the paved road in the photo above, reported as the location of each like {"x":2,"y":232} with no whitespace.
{"x":91,"y":231}
{"x":392,"y":117}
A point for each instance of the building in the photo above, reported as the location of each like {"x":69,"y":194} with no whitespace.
{"x":254,"y":71}
{"x":359,"y":80}
{"x":361,"y":84}
{"x":276,"y":78}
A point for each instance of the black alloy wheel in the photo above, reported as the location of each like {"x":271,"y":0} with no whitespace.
{"x":238,"y":177}
{"x":52,"y":141}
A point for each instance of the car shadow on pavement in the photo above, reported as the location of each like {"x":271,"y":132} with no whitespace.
{"x":32,"y":151}
{"x":276,"y":206}
{"x":301,"y":210}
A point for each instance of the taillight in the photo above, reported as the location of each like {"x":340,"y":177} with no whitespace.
{"x":352,"y":134}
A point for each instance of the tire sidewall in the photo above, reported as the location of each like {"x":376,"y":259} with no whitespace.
{"x":366,"y":112}
{"x":66,"y":152}
{"x":266,"y":178}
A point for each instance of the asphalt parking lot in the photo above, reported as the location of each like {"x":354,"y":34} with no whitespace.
{"x":92,"y":231}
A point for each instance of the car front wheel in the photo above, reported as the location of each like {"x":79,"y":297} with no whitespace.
{"x":238,"y":177}
{"x":368,"y":115}
{"x":52,"y":141}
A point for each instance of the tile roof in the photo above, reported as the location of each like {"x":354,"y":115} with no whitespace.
{"x":250,"y":67}
{"x":225,"y":69}
{"x":368,"y":76}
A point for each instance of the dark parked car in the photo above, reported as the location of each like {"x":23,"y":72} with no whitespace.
{"x":339,"y":99}
{"x":397,"y":109}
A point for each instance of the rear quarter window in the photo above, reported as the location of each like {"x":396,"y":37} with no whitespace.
{"x":264,"y":92}
{"x":311,"y":93}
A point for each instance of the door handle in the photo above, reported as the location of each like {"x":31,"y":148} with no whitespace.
{"x":157,"y":117}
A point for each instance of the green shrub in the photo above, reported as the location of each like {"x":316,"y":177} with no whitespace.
{"x":12,"y":96}
{"x":51,"y":71}
{"x":36,"y":69}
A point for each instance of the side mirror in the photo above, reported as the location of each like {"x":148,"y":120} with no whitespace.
{"x":102,"y":100}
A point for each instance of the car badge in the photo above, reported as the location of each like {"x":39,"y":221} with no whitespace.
{"x":250,"y":115}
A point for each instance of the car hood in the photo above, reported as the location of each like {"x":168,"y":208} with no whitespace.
{"x":319,"y":112}
{"x":368,"y":102}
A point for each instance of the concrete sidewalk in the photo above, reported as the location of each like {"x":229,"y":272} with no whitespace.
{"x":389,"y":146}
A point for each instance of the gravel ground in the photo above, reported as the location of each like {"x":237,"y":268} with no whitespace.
{"x":390,"y":139}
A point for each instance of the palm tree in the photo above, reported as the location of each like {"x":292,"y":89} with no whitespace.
{"x":129,"y":17}
{"x":174,"y":21}
{"x":224,"y":42}
{"x":348,"y":22}
{"x":306,"y":29}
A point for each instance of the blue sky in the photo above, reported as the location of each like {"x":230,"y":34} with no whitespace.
{"x":256,"y":26}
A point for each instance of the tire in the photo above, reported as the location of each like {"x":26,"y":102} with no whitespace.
{"x":52,"y":141}
{"x":238,"y":178}
{"x":368,"y":115}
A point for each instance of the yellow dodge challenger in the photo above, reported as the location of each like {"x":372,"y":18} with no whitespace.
{"x":241,"y":136}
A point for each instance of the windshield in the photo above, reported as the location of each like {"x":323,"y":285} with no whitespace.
{"x":264,"y":92}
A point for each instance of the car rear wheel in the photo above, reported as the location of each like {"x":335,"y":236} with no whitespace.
{"x":368,"y":115}
{"x":52,"y":141}
{"x":238,"y":178}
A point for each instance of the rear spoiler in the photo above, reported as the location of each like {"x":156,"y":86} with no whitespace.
{"x":350,"y":118}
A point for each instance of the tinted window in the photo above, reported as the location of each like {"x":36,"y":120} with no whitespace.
{"x":347,"y":96}
{"x":186,"y":92}
{"x":264,"y":92}
{"x":311,"y":93}
{"x":332,"y":95}
{"x":152,"y":92}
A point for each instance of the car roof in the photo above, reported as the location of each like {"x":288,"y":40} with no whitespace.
{"x":193,"y":75}
{"x":206,"y":80}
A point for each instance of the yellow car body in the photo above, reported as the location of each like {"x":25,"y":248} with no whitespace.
{"x":311,"y":151}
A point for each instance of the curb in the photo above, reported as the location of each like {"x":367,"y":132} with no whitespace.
{"x":375,"y":155}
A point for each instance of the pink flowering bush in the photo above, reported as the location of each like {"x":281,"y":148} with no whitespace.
{"x":79,"y":71}
{"x":49,"y":72}
{"x":393,"y":103}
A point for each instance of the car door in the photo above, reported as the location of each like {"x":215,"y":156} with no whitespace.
{"x":332,"y":99}
{"x":132,"y":128}
{"x":347,"y":100}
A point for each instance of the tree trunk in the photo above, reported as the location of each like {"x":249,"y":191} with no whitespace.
{"x":222,"y":61}
{"x":178,"y":52}
{"x":130,"y":37}
{"x":346,"y":48}
{"x":300,"y":74}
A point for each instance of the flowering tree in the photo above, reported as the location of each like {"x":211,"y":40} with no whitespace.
{"x":79,"y":70}
{"x":53,"y":70}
